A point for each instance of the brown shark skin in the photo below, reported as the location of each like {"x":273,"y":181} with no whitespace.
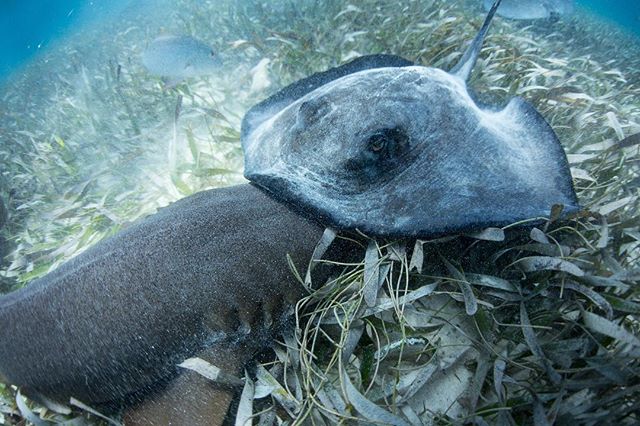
{"x":116,"y":319}
{"x":190,"y":398}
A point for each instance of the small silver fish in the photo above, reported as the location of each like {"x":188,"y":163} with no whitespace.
{"x":178,"y":57}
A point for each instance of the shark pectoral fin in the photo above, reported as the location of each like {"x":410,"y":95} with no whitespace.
{"x":190,"y":398}
{"x":187,"y":400}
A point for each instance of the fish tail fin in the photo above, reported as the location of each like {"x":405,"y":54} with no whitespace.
{"x":464,"y":67}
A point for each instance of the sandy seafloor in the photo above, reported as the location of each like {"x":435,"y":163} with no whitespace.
{"x":89,"y":141}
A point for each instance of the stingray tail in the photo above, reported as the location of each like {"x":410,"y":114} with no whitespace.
{"x":464,"y":67}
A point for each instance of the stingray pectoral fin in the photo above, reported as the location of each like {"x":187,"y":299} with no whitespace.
{"x":281,"y":99}
{"x":554,"y":172}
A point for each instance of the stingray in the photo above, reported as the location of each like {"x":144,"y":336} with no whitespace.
{"x":533,"y":9}
{"x":395,"y":149}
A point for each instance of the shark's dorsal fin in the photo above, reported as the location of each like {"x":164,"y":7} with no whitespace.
{"x":464,"y":67}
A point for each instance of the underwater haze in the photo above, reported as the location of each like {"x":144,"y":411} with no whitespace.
{"x":625,"y":13}
{"x":29,"y":27}
{"x":94,"y":135}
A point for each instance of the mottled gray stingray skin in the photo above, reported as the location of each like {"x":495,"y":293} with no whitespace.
{"x":532,"y":9}
{"x":394,"y":149}
{"x":210,"y":269}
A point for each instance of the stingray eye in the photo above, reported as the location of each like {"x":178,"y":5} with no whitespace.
{"x":377,"y":154}
{"x":377,"y":142}
{"x":212,"y":53}
{"x":390,"y":141}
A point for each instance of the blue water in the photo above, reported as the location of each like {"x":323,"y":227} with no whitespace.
{"x":30,"y":26}
{"x":625,"y":13}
